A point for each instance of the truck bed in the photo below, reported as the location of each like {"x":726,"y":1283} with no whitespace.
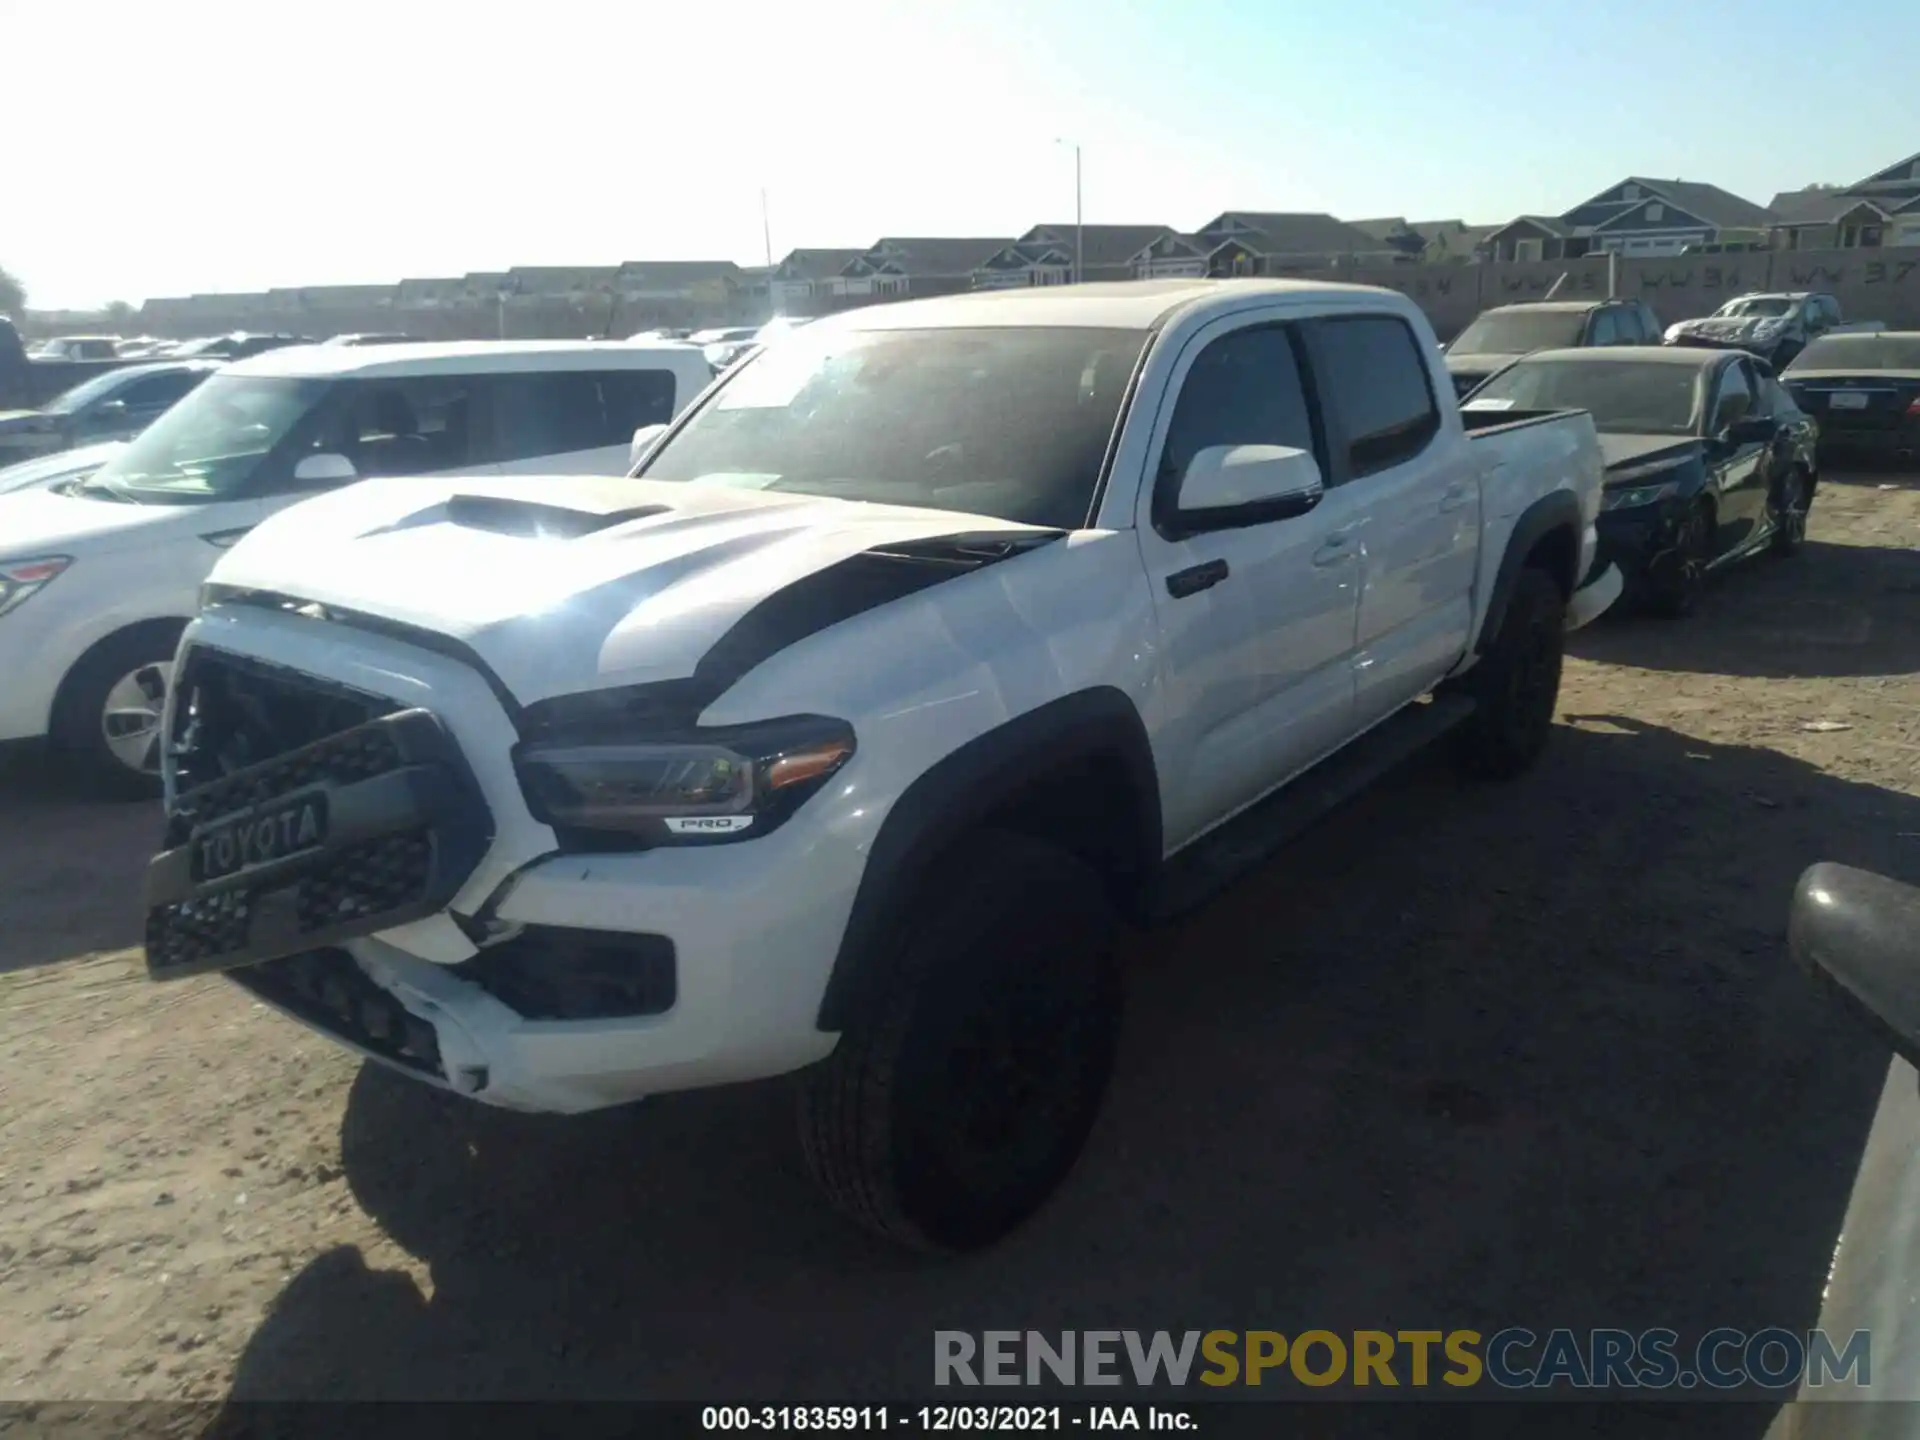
{"x":1481,"y":423}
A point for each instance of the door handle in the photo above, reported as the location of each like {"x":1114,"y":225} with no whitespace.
{"x":1195,"y":578}
{"x":1335,"y":548}
{"x":1455,"y":496}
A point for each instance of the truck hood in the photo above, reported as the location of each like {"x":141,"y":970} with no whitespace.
{"x":566,"y":584}
{"x":37,"y":521}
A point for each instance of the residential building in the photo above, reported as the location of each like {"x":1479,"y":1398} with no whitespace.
{"x":1638,"y":216}
{"x":805,"y":278}
{"x":1045,"y":255}
{"x":1881,"y":210}
{"x":1430,"y":242}
{"x":428,"y":294}
{"x":707,"y":282}
{"x":1249,"y":242}
{"x":899,"y":266}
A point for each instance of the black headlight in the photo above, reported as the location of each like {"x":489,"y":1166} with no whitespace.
{"x":701,"y":786}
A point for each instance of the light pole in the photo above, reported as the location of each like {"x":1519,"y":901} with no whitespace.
{"x":1079,"y":228}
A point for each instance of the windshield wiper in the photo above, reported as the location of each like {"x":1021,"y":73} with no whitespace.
{"x":94,"y":485}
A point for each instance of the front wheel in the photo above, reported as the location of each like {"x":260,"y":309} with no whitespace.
{"x":1678,"y":578}
{"x":1516,"y":684}
{"x":108,"y":714}
{"x":1788,"y":507}
{"x":958,"y":1100}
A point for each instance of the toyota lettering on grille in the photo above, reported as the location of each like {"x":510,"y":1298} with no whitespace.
{"x":271,"y":833}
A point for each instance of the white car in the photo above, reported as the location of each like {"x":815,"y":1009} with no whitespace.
{"x":933,"y":639}
{"x":98,"y":576}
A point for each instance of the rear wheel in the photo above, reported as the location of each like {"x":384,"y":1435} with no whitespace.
{"x":958,"y":1100}
{"x":1516,"y":684}
{"x":1791,"y":500}
{"x":108,"y":713}
{"x":1679,"y":577}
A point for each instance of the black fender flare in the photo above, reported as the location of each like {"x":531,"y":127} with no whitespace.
{"x":1557,"y":510}
{"x":965,"y":787}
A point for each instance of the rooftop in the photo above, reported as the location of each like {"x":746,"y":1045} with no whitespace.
{"x":456,"y":357}
{"x":1118,"y":304}
{"x":1681,"y":357}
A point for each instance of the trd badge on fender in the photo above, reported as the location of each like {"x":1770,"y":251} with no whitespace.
{"x":271,"y":833}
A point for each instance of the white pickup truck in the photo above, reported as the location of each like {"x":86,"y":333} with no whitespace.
{"x":927,"y":646}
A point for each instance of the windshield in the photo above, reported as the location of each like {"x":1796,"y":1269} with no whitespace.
{"x":1517,"y":332}
{"x":1757,"y":305}
{"x":208,"y":446}
{"x":1626,"y":397}
{"x":1008,"y":422}
{"x":86,"y":392}
{"x":1885,"y":351}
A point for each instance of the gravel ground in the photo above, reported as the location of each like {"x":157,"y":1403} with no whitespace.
{"x":1462,"y":1057}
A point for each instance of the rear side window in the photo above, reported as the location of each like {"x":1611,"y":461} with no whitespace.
{"x":1373,"y":377}
{"x":409,"y":426}
{"x":565,"y":410}
{"x":1605,"y":329}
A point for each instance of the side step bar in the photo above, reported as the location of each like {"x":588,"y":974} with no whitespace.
{"x":1223,"y":855}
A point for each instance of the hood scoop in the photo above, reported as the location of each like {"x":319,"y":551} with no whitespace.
{"x":537,"y":520}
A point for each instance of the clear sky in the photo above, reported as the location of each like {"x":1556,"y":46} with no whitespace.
{"x":202,"y":145}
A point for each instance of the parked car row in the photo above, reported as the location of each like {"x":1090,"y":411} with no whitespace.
{"x":1774,"y":326}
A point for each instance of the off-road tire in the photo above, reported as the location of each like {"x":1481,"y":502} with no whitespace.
{"x":76,"y":726}
{"x":1003,"y":979}
{"x":1516,"y":684}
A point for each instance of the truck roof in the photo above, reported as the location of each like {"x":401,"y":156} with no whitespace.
{"x":461,"y":357}
{"x":1112,"y":305}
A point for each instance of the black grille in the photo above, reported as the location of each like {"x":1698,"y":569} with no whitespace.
{"x":400,"y":820}
{"x":235,"y":712}
{"x":331,"y":993}
{"x":549,"y":973}
{"x":365,"y":879}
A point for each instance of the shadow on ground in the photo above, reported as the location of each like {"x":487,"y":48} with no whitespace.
{"x":1462,"y":1057}
{"x":59,"y":838}
{"x":1831,"y":611}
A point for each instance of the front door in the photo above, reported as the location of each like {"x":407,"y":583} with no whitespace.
{"x":1737,"y":470}
{"x":1256,"y":622}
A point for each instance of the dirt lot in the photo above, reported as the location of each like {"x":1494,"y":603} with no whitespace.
{"x":1463,"y":1057}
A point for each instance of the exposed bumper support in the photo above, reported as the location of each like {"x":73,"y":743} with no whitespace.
{"x":1593,"y":599}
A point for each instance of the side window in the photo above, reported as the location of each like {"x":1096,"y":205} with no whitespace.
{"x":1735,"y":399}
{"x":559,"y":411}
{"x":1649,"y":328}
{"x":1243,"y":389}
{"x":1604,"y":329}
{"x":160,"y":389}
{"x":1373,"y":378}
{"x":404,"y":427}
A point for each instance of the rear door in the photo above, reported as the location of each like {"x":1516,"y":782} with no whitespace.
{"x":576,"y":422}
{"x":1417,"y":506}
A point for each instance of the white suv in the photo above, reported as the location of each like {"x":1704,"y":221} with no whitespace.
{"x":98,"y":575}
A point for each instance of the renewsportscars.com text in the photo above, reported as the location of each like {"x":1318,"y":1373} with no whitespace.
{"x":1515,"y":1358}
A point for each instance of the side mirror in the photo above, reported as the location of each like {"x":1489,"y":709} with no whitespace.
{"x":1859,"y":935}
{"x":643,"y":439}
{"x":1232,"y":485}
{"x":317,"y":470}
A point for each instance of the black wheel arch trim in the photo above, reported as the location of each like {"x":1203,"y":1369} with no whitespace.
{"x":1558,"y":510}
{"x":963,"y":789}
